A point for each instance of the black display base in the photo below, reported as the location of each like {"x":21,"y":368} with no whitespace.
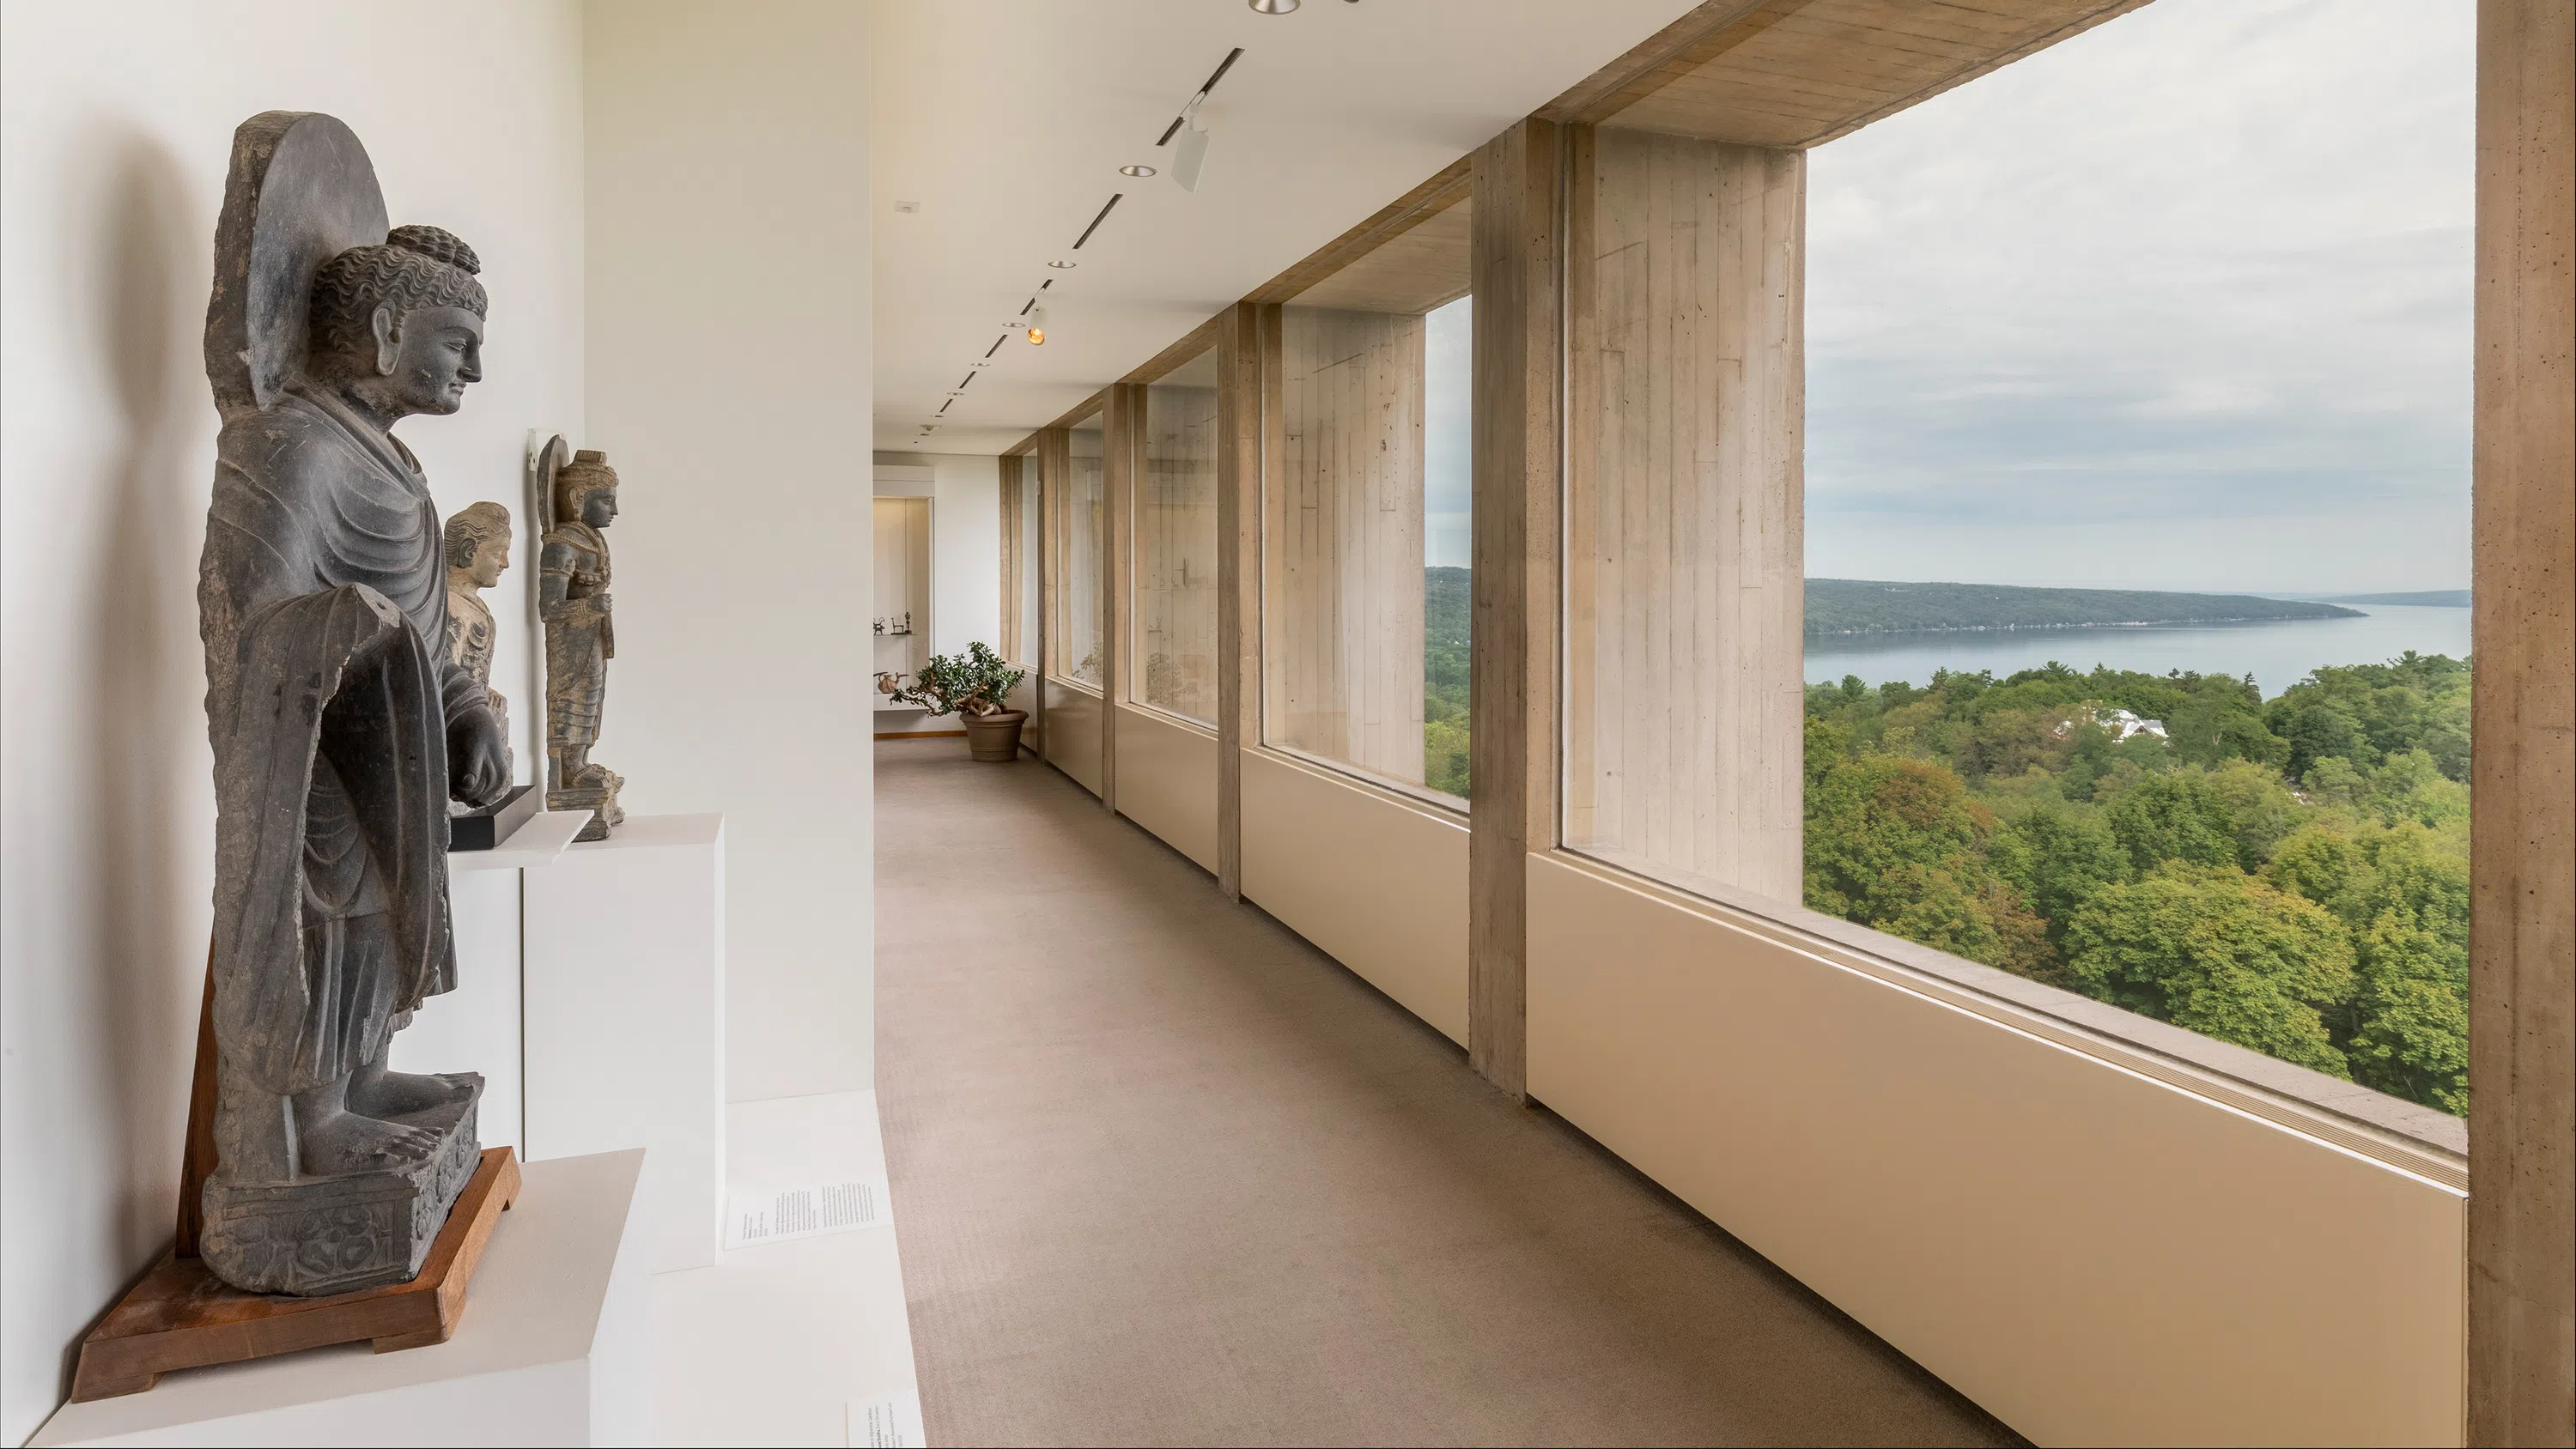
{"x":488,"y":827}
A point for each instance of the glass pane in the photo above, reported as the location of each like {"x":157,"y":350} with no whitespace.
{"x":1027,"y":602}
{"x":1365,"y":542}
{"x":2213,"y":370}
{"x":1081,"y":568}
{"x":1176,"y":554}
{"x":1448,"y":515}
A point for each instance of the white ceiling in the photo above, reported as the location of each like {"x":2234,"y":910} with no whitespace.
{"x":1007,"y":121}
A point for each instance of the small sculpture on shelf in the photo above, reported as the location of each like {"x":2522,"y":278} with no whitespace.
{"x":573,"y":599}
{"x":478,"y":553}
{"x":340,"y":720}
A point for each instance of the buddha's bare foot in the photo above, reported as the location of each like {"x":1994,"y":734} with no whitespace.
{"x":346,"y":1143}
{"x":384,"y":1094}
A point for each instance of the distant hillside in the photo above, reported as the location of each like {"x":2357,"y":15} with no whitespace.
{"x":1864,"y":606}
{"x":2428,"y":599}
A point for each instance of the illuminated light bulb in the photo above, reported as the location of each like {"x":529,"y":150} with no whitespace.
{"x":1037,"y":337}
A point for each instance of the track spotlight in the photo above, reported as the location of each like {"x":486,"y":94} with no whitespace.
{"x":1191,"y":154}
{"x":1037,"y":327}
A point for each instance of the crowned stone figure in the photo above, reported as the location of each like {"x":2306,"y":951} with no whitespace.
{"x":478,"y":553}
{"x":341,"y":723}
{"x":572,"y":598}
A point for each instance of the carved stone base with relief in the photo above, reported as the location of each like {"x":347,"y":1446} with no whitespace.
{"x":338,"y":1234}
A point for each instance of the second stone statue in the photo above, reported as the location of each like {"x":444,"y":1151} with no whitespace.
{"x":478,"y":553}
{"x":573,"y":599}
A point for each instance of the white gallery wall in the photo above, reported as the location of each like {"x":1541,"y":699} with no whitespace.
{"x":116,"y":125}
{"x":965,"y":493}
{"x":729,"y":376}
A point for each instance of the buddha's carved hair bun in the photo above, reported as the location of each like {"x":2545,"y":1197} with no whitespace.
{"x":437,"y":243}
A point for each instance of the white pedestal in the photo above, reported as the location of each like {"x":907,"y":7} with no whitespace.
{"x":778,"y":1344}
{"x":554,"y":1349}
{"x":475,"y":1028}
{"x":624,"y":992}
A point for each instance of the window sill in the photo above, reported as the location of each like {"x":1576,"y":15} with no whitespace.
{"x":1177,"y":721}
{"x":2417,"y":1139}
{"x":1413,"y":797}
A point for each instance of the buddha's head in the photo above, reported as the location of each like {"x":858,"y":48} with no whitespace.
{"x":400,"y":324}
{"x":586,"y":489}
{"x":478,"y":543}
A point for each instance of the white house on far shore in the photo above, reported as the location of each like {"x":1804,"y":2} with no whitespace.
{"x":2120,"y":722}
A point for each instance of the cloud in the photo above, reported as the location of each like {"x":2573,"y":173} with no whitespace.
{"x":2204,"y":268}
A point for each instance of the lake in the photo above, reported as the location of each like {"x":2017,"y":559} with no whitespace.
{"x":2277,"y":655}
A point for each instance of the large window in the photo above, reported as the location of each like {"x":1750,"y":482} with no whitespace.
{"x":2121,"y":612}
{"x":1176,"y":545}
{"x":1365,"y":516}
{"x":1074,"y":646}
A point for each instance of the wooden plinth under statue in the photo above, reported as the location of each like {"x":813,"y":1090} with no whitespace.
{"x":180,"y":1315}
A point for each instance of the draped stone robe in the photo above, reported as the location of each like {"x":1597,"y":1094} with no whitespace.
{"x":323,"y":600}
{"x":577,"y":654}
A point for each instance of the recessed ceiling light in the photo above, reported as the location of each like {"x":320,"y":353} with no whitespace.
{"x":1135,"y":170}
{"x":983,"y":362}
{"x":1062,"y":266}
{"x":1272,"y":7}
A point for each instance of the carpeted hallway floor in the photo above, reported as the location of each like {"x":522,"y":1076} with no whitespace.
{"x":1165,"y":1174}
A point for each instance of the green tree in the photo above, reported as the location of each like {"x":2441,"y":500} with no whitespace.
{"x":1897,"y":844}
{"x":1447,"y":611}
{"x":2057,"y":856}
{"x":2335,"y":783}
{"x":1828,"y":745}
{"x":2411,"y":997}
{"x":2218,"y":719}
{"x":2173,"y":817}
{"x":2260,"y":810}
{"x":2410,"y":1007}
{"x":2325,"y":865}
{"x":2320,"y":731}
{"x":2219,"y":952}
{"x":2410,"y":786}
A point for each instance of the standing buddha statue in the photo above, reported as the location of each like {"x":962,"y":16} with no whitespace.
{"x":340,"y":723}
{"x":573,"y":599}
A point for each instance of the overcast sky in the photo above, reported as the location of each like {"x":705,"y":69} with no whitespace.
{"x":1447,"y":371}
{"x":2180,"y":303}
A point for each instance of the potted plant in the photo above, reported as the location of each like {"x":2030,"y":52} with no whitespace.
{"x":976,"y":687}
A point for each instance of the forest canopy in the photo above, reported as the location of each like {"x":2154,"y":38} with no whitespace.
{"x":2290,"y":875}
{"x":1445,"y":614}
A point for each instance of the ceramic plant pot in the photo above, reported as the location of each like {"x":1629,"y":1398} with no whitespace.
{"x":995,"y":738}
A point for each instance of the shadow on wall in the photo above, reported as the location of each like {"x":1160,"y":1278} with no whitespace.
{"x":148,"y":756}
